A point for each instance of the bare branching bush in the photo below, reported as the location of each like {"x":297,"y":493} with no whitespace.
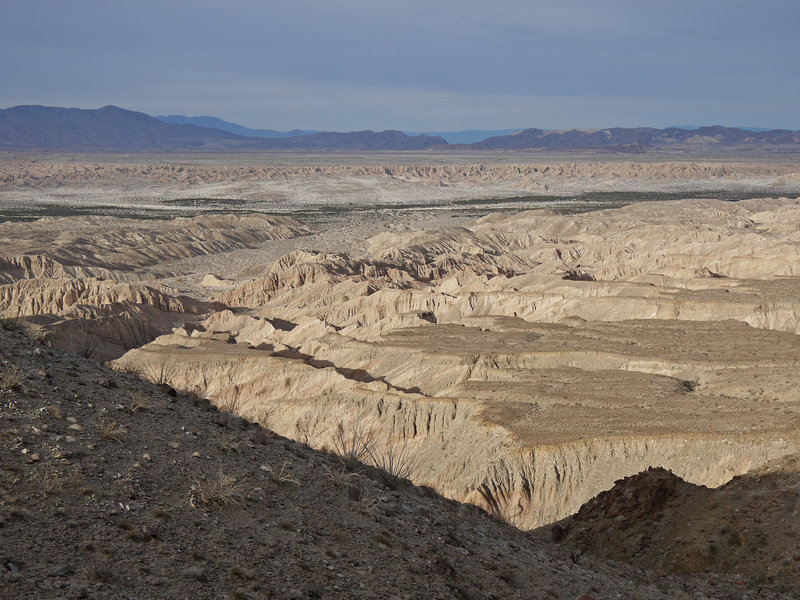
{"x":216,"y":492}
{"x":499,"y":507}
{"x":230,"y":406}
{"x":84,"y":338}
{"x":159,"y":374}
{"x":352,"y":442}
{"x":356,"y":443}
{"x":266,"y":416}
{"x":112,"y":431}
{"x":280,"y":476}
{"x":395,"y":462}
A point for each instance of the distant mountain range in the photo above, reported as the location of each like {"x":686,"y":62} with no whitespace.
{"x":467,"y":136}
{"x":113,"y":129}
{"x":215,"y":123}
{"x":638,"y":138}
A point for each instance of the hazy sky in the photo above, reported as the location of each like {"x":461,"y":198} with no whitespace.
{"x":412,"y":64}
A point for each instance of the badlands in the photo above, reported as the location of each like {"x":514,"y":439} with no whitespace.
{"x":514,"y":331}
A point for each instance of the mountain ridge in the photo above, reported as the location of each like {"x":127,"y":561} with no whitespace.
{"x":235,"y":128}
{"x":637,"y":138}
{"x":110,"y":128}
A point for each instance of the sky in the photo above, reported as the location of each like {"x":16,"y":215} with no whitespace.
{"x":414,"y":65}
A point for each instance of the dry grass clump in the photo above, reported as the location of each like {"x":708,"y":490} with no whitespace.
{"x":158,"y":374}
{"x":230,"y":406}
{"x":217,"y":491}
{"x":280,"y":476}
{"x":12,"y":378}
{"x":112,"y":431}
{"x":357,"y":444}
{"x":85,"y":340}
{"x":49,"y":479}
{"x":138,"y":403}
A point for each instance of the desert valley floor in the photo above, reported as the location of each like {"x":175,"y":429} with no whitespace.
{"x":511,"y":331}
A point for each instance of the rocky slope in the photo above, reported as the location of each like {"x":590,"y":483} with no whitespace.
{"x":656,"y":520}
{"x":526,"y":362}
{"x":115,"y":488}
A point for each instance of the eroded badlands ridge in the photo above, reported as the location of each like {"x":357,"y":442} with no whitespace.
{"x":528,"y":361}
{"x":90,"y":284}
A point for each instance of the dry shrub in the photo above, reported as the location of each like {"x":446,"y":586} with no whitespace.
{"x":12,"y":323}
{"x":395,"y":462}
{"x":280,"y":476}
{"x":217,"y":491}
{"x":12,"y":378}
{"x":112,"y":431}
{"x":48,"y":479}
{"x":353,"y":443}
{"x":230,"y":406}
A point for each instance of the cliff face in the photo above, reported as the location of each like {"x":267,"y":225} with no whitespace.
{"x":525,"y":362}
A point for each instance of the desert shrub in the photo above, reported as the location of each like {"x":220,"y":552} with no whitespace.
{"x":230,"y":406}
{"x":112,"y":432}
{"x":84,"y":338}
{"x":12,"y":378}
{"x":217,"y":491}
{"x":352,"y":442}
{"x":394,"y":461}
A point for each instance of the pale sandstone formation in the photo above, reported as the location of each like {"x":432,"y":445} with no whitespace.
{"x":325,"y":183}
{"x":87,"y":284}
{"x":130,"y":245}
{"x":526,"y":361}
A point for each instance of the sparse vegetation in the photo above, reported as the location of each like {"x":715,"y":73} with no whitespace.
{"x":230,"y":405}
{"x":280,"y":476}
{"x":137,"y":403}
{"x":394,"y":460}
{"x":217,"y":491}
{"x":352,"y":442}
{"x":15,"y":323}
{"x":112,"y":431}
{"x":48,"y":478}
{"x":160,"y":374}
{"x":84,"y":338}
{"x":499,"y":507}
{"x":12,"y":378}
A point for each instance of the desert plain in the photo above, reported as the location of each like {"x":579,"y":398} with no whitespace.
{"x":516,"y":331}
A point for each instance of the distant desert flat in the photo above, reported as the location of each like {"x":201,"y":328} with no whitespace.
{"x":528,"y":329}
